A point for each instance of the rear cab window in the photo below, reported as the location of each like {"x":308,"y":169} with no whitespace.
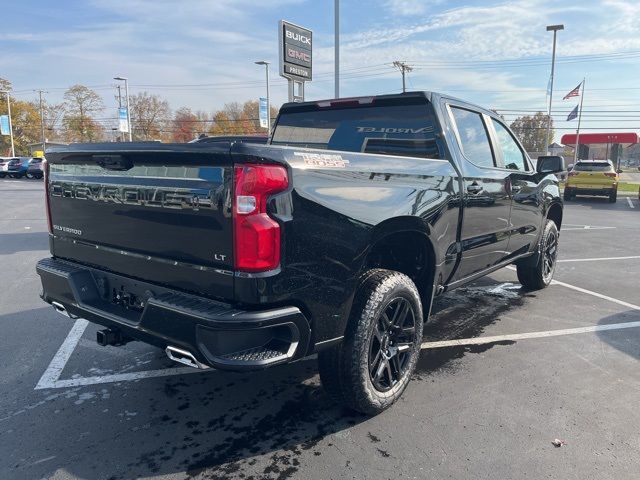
{"x":405,"y":127}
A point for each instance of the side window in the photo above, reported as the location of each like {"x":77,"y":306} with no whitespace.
{"x":513,"y":156}
{"x":473,"y":137}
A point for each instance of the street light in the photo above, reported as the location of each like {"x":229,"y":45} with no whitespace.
{"x":266,"y":67}
{"x":13,"y":150}
{"x":126,"y":92}
{"x":554,"y":29}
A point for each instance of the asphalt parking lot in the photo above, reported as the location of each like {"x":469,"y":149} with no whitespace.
{"x":503,"y":373}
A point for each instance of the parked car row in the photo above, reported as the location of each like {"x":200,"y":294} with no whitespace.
{"x":18,"y":167}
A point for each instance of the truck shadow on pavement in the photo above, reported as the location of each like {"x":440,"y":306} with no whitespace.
{"x":23,"y":242}
{"x":221,"y":424}
{"x":624,"y":340}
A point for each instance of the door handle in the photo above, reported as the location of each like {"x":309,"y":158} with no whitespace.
{"x":474,"y":188}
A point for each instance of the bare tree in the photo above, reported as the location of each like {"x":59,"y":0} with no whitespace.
{"x":53,"y":114}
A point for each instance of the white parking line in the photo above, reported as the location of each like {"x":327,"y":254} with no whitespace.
{"x":523,"y":336}
{"x":586,"y":227}
{"x":630,"y":202}
{"x":60,"y":359}
{"x":598,"y":259}
{"x":51,"y":377}
{"x":596,"y":294}
{"x":122,"y":377}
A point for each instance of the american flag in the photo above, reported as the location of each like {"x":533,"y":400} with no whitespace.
{"x":573,"y":93}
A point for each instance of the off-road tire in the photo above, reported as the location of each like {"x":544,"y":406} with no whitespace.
{"x":539,"y":276}
{"x":345,"y":368}
{"x":567,"y":195}
{"x":613,"y":196}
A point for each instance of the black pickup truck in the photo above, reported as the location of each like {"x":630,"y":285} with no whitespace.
{"x":333,"y":239}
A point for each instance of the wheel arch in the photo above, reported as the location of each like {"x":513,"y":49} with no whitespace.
{"x":404,"y":244}
{"x":554,"y":213}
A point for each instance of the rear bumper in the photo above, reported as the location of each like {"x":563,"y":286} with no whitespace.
{"x":590,"y":190}
{"x":215,"y":333}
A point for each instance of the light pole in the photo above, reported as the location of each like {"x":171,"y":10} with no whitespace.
{"x":126,"y":93}
{"x":554,"y":29}
{"x":266,"y":68}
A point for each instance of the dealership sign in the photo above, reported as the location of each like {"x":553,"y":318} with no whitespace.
{"x":123,"y":120}
{"x":4,"y":125}
{"x":295,"y":52}
{"x":262,"y":110}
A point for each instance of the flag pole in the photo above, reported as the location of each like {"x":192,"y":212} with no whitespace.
{"x":575,"y":153}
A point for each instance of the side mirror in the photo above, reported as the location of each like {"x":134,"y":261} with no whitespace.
{"x":550,"y":164}
{"x":619,"y":170}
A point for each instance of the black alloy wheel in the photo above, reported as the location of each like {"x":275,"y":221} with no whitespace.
{"x":391,"y":342}
{"x":550,"y":254}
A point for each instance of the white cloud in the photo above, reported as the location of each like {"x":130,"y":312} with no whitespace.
{"x":409,"y":7}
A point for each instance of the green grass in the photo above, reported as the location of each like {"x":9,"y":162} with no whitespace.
{"x":628,"y":187}
{"x":622,"y":186}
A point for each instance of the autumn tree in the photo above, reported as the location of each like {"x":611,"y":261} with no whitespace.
{"x":239,"y":119}
{"x":532,"y":131}
{"x":150,"y":115}
{"x":185,"y":125}
{"x":81,"y":106}
{"x":223,"y":124}
{"x":25,"y":122}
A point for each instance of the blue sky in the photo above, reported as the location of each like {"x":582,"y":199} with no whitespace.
{"x":200,"y":53}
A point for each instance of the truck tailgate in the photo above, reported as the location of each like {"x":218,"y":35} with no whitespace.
{"x":156,"y":212}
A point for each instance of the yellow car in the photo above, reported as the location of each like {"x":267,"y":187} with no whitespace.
{"x":592,"y":177}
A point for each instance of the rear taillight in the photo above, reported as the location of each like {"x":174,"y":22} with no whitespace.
{"x":573,"y":173}
{"x":45,"y":169}
{"x":257,"y":236}
{"x":611,"y":174}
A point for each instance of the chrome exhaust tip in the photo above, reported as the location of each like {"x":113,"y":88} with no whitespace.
{"x":58,"y":307}
{"x":184,"y":357}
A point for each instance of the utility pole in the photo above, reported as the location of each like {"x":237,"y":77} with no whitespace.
{"x":554,"y":29}
{"x":44,"y":140}
{"x":336,"y":46}
{"x":126,"y":93}
{"x":13,"y":150}
{"x":404,"y":68}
